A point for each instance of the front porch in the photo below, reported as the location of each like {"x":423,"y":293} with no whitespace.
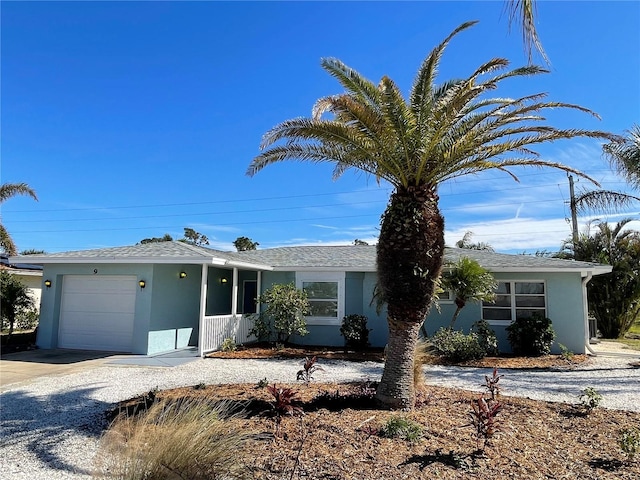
{"x":227,"y":299}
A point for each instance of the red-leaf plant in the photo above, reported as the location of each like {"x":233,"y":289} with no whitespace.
{"x":491,"y":382}
{"x":483,"y":418}
{"x":308,"y":369}
{"x":283,"y":403}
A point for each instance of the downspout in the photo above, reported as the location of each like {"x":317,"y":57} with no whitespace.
{"x":204,"y":281}
{"x":585,"y":306}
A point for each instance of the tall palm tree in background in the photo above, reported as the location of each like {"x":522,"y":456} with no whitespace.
{"x":624,"y":156}
{"x":439,"y":133}
{"x":8,"y":190}
{"x":614,"y":298}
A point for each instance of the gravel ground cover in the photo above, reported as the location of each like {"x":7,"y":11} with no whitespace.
{"x":50,"y":428}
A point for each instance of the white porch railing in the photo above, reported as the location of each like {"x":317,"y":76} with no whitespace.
{"x":217,"y":328}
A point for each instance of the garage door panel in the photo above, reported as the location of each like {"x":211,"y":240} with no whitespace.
{"x":99,"y":302}
{"x":98,"y":312}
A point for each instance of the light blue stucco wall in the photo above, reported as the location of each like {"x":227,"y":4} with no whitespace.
{"x":51,"y":298}
{"x":564,"y":308}
{"x":175,"y":308}
{"x":563,"y":296}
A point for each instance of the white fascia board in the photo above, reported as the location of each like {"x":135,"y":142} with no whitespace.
{"x":248,"y":266}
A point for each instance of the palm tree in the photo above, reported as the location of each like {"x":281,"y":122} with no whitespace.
{"x":15,"y":299}
{"x":623,"y":154}
{"x":468,"y":281}
{"x":614,"y":298}
{"x":8,"y":190}
{"x":439,"y":133}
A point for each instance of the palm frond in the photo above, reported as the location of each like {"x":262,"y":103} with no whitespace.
{"x":8,"y":190}
{"x":605,"y":201}
{"x":623,"y":154}
{"x":420,"y":96}
{"x":6,"y":242}
{"x":525,"y":12}
{"x":351,"y":80}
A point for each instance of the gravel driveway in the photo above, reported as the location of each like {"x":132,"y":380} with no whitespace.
{"x":50,"y":427}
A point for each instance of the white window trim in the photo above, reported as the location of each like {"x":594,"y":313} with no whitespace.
{"x":339,"y":278}
{"x":513,"y":303}
{"x":447,"y":301}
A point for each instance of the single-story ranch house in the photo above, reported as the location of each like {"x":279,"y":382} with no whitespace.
{"x":157,"y":297}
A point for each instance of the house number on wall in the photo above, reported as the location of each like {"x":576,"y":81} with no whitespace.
{"x":95,"y":270}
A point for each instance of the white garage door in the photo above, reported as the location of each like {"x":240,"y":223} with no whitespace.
{"x":97,"y":312}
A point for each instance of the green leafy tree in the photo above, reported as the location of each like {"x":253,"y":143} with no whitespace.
{"x":32,"y":251}
{"x":440,"y":132}
{"x":8,"y":190}
{"x":194,"y":238}
{"x":614,"y":298}
{"x":165,"y":238}
{"x":468,"y":281}
{"x":243,"y":244}
{"x":15,"y":299}
{"x":285,"y":312}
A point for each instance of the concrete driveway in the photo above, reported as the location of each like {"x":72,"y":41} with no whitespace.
{"x":26,"y":366}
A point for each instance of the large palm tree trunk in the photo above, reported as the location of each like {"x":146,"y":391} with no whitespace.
{"x":410,"y":253}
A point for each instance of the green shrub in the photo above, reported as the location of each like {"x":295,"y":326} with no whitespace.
{"x":284,"y":314}
{"x":400,"y":427}
{"x":456,"y":346}
{"x":590,"y":399}
{"x":486,"y":337}
{"x":229,"y":345}
{"x":355,"y":332}
{"x":629,"y":442}
{"x":531,"y":336}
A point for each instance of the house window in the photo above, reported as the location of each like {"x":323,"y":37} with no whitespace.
{"x":325,"y":292}
{"x":446,"y":296}
{"x":515,"y":300}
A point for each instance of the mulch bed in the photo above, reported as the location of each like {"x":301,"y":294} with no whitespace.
{"x":337,"y":436}
{"x":262,"y":350}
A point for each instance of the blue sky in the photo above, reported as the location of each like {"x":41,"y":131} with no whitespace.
{"x":133,"y":120}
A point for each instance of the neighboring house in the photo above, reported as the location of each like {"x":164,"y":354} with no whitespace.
{"x":29,"y":274}
{"x":157,"y":297}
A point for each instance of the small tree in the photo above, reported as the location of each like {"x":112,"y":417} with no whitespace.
{"x":243,"y":244}
{"x":15,"y":299}
{"x":165,"y":238}
{"x":469,"y":282}
{"x":286,"y":310}
{"x":194,"y":238}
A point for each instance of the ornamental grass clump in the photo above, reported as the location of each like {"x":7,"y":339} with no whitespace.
{"x":186,"y":438}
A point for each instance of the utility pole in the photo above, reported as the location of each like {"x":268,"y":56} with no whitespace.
{"x":574,"y":212}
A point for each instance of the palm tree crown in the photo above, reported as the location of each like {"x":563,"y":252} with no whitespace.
{"x":8,"y":190}
{"x":440,"y":132}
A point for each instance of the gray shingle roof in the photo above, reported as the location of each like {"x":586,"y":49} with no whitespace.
{"x":351,"y":257}
{"x":363,"y":258}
